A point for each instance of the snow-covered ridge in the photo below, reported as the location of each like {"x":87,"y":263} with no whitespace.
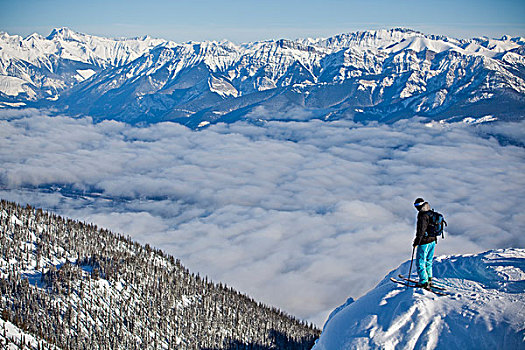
{"x":14,"y":338}
{"x":485,"y":308}
{"x":65,"y":43}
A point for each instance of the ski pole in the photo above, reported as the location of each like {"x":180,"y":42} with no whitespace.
{"x":411,"y":260}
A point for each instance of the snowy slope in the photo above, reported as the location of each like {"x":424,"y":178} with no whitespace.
{"x":486,"y":309}
{"x":13,"y":338}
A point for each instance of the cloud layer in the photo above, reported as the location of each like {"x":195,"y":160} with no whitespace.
{"x":298,"y":215}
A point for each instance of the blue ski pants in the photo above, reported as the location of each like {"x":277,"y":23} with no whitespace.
{"x":424,"y":257}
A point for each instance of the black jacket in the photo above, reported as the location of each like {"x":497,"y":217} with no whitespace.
{"x":421,"y":228}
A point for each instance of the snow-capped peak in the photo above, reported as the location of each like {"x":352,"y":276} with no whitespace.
{"x":370,"y":39}
{"x":484,"y":308}
{"x":63,"y":33}
{"x":418,"y":44}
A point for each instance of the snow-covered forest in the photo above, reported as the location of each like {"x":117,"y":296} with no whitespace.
{"x":72,"y":285}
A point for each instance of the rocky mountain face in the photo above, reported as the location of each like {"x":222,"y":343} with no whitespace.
{"x":383,"y":75}
{"x":65,"y":284}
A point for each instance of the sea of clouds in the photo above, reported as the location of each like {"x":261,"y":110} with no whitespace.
{"x":299,"y":215}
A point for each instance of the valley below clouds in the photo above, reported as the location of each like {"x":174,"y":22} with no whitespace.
{"x":299,"y":215}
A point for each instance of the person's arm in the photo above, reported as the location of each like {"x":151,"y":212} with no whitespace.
{"x":421,"y":227}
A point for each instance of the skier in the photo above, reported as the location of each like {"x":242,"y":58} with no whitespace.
{"x":425,"y":244}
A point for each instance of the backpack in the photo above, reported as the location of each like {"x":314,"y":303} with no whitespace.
{"x":436,"y":224}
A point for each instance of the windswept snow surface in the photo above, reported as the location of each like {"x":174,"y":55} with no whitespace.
{"x":486,"y":308}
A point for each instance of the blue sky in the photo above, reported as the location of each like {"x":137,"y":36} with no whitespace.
{"x":250,"y":20}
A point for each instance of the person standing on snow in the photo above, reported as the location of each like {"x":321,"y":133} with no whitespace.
{"x":425,"y":244}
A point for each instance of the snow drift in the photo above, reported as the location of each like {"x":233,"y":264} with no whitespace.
{"x":485,"y":310}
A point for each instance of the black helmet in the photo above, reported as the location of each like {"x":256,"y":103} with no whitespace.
{"x":418,"y":203}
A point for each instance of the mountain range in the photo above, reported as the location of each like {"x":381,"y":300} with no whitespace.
{"x":379,"y":75}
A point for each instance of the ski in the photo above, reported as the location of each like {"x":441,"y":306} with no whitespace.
{"x":430,"y":289}
{"x":414,"y":281}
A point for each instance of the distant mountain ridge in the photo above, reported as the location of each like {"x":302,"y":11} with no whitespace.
{"x":383,"y":75}
{"x":38,"y":68}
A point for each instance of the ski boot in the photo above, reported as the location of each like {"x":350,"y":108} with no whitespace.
{"x":425,"y":285}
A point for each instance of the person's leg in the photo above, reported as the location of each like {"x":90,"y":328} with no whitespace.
{"x":429,"y":258}
{"x":421,"y":254}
